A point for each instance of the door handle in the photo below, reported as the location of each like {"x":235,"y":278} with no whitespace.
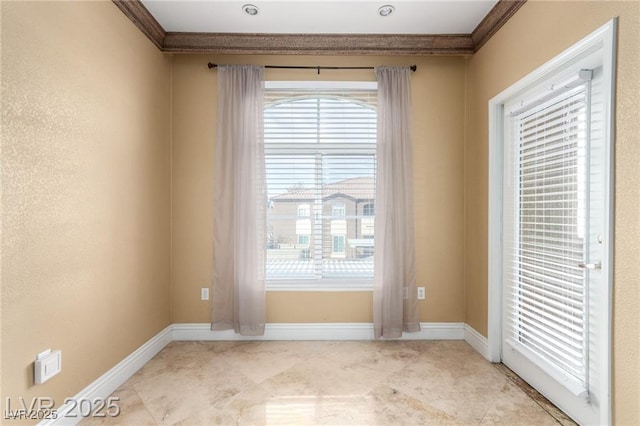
{"x":597,"y":265}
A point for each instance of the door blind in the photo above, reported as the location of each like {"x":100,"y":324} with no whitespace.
{"x":545,"y":232}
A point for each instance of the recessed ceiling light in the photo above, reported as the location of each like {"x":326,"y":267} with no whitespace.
{"x":250,"y":9}
{"x":386,"y":10}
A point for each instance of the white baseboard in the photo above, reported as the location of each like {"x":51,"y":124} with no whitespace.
{"x":477,"y":341}
{"x":317,"y":331}
{"x":105,"y":385}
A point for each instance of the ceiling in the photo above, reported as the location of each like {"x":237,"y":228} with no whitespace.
{"x":320,"y":17}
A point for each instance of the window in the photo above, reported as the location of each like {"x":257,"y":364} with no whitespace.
{"x":366,"y":231}
{"x":366,"y":224}
{"x":304,"y":210}
{"x":338,"y":244}
{"x":338,"y":211}
{"x":320,"y":156}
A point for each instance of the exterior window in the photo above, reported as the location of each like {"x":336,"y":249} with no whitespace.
{"x":338,"y":244}
{"x":304,"y":210}
{"x":366,"y":230}
{"x":320,"y":157}
{"x":366,"y":224}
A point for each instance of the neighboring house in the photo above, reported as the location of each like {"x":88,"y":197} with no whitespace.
{"x":344,"y":227}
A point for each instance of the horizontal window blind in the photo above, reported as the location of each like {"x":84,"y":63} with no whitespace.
{"x":545,"y":242}
{"x":320,"y":163}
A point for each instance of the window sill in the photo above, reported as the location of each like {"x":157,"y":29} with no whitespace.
{"x":320,"y":285}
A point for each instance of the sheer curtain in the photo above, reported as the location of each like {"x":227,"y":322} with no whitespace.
{"x":395,"y":307}
{"x":239,"y":196}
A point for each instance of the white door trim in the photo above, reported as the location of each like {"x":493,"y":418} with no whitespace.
{"x":604,"y":36}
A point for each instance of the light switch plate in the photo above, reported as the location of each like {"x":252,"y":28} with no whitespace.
{"x":47,"y":365}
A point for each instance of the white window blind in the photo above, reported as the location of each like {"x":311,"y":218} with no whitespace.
{"x":545,"y":231}
{"x":320,"y":149}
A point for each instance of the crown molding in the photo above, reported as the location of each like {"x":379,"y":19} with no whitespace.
{"x":319,"y":44}
{"x":495,"y":19}
{"x":143,"y":19}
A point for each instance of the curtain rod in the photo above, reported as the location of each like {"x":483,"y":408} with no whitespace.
{"x":319,"y":67}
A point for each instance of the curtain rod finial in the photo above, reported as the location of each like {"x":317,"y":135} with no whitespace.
{"x":413,"y":67}
{"x":210,"y":65}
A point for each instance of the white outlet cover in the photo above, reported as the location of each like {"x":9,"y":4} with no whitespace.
{"x":204,"y":293}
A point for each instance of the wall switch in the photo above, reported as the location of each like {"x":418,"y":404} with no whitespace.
{"x":421,"y":294}
{"x":204,"y":293}
{"x":47,"y":365}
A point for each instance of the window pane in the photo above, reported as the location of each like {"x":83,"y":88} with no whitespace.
{"x":338,"y":210}
{"x":304,"y":210}
{"x":303,"y":240}
{"x":320,"y":162}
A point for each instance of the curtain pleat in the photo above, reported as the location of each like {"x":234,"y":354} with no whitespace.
{"x":395,"y":307}
{"x":239,"y":196}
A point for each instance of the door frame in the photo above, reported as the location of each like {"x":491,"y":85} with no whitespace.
{"x":605,"y":37}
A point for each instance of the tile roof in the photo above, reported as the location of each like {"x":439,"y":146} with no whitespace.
{"x":359,"y":188}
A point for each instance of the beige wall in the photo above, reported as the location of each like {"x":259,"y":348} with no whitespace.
{"x":438,"y":104}
{"x":85,"y":192}
{"x":89,"y":107}
{"x":535,"y":34}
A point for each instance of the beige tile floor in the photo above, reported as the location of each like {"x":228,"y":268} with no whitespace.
{"x":326,"y":383}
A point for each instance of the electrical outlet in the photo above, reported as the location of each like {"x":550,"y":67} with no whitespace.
{"x":204,"y":293}
{"x":421,"y":294}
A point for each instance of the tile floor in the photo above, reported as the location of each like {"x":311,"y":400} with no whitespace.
{"x":327,"y":383}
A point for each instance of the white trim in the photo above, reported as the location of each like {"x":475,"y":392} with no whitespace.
{"x":606,"y":294}
{"x":477,"y":341}
{"x":605,"y":38}
{"x":317,"y":331}
{"x":573,"y":385}
{"x":106,"y":384}
{"x":568,"y":56}
{"x":494,"y":305}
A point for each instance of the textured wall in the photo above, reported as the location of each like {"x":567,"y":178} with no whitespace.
{"x":86,"y":125}
{"x":85,"y":192}
{"x":536,"y":33}
{"x":438,"y":101}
